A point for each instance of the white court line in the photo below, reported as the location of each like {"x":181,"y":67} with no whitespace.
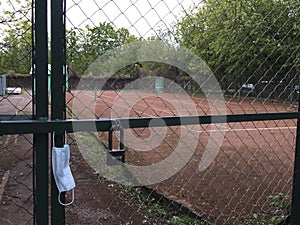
{"x":213,"y":130}
{"x":238,"y":129}
{"x":139,"y":111}
{"x":187,"y":104}
{"x":176,"y":101}
{"x":253,"y":129}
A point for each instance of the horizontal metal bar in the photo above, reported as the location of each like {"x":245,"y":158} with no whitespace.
{"x":60,"y":126}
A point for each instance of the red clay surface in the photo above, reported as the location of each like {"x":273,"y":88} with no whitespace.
{"x":254,"y":161}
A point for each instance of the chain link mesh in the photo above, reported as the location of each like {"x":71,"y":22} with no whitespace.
{"x":16,"y":163}
{"x":252,"y":48}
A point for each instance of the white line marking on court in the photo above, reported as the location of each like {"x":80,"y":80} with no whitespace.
{"x":263,"y":128}
{"x":213,"y":130}
{"x":155,"y":109}
{"x":247,"y":129}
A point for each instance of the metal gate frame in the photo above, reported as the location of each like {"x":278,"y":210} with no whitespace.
{"x":40,"y":125}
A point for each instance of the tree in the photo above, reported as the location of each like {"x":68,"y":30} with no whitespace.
{"x":16,"y":42}
{"x":245,"y":40}
{"x":84,"y":46}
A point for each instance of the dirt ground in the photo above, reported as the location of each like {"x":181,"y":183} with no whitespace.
{"x":16,"y":205}
{"x":254,"y":162}
{"x":97,"y":201}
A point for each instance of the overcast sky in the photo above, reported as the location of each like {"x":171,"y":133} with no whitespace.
{"x":140,"y":17}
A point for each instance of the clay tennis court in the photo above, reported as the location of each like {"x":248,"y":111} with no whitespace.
{"x":16,"y":104}
{"x":254,"y":162}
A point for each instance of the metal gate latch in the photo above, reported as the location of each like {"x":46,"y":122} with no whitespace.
{"x":115,"y":153}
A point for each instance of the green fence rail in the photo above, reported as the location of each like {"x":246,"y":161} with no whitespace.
{"x":62,"y":126}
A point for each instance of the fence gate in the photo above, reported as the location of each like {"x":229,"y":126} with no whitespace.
{"x":176,"y":112}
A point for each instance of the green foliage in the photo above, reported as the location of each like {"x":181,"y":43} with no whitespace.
{"x":16,"y":42}
{"x":281,"y":205}
{"x":160,"y":211}
{"x":245,"y":41}
{"x":138,"y":59}
{"x":84,"y":46}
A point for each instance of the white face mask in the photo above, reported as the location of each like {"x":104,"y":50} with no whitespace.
{"x":61,"y":171}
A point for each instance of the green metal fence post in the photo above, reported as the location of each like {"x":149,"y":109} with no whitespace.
{"x":295,"y":209}
{"x":41,"y":176}
{"x":57,"y":95}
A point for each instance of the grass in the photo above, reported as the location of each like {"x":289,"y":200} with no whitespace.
{"x":160,"y":209}
{"x":279,"y":205}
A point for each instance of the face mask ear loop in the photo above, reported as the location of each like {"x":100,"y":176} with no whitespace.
{"x":53,"y":135}
{"x":65,"y":137}
{"x":67,"y":204}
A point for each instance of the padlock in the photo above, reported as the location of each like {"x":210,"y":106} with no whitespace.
{"x":115,"y":154}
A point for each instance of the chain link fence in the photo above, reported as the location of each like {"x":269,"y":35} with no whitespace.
{"x":153,"y":59}
{"x":16,"y":151}
{"x":251,"y":48}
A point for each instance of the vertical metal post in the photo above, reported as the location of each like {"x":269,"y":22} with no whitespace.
{"x":57,"y":96}
{"x":33,"y":62}
{"x":40,"y":141}
{"x":295,"y":209}
{"x":121,"y":139}
{"x":110,"y":139}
